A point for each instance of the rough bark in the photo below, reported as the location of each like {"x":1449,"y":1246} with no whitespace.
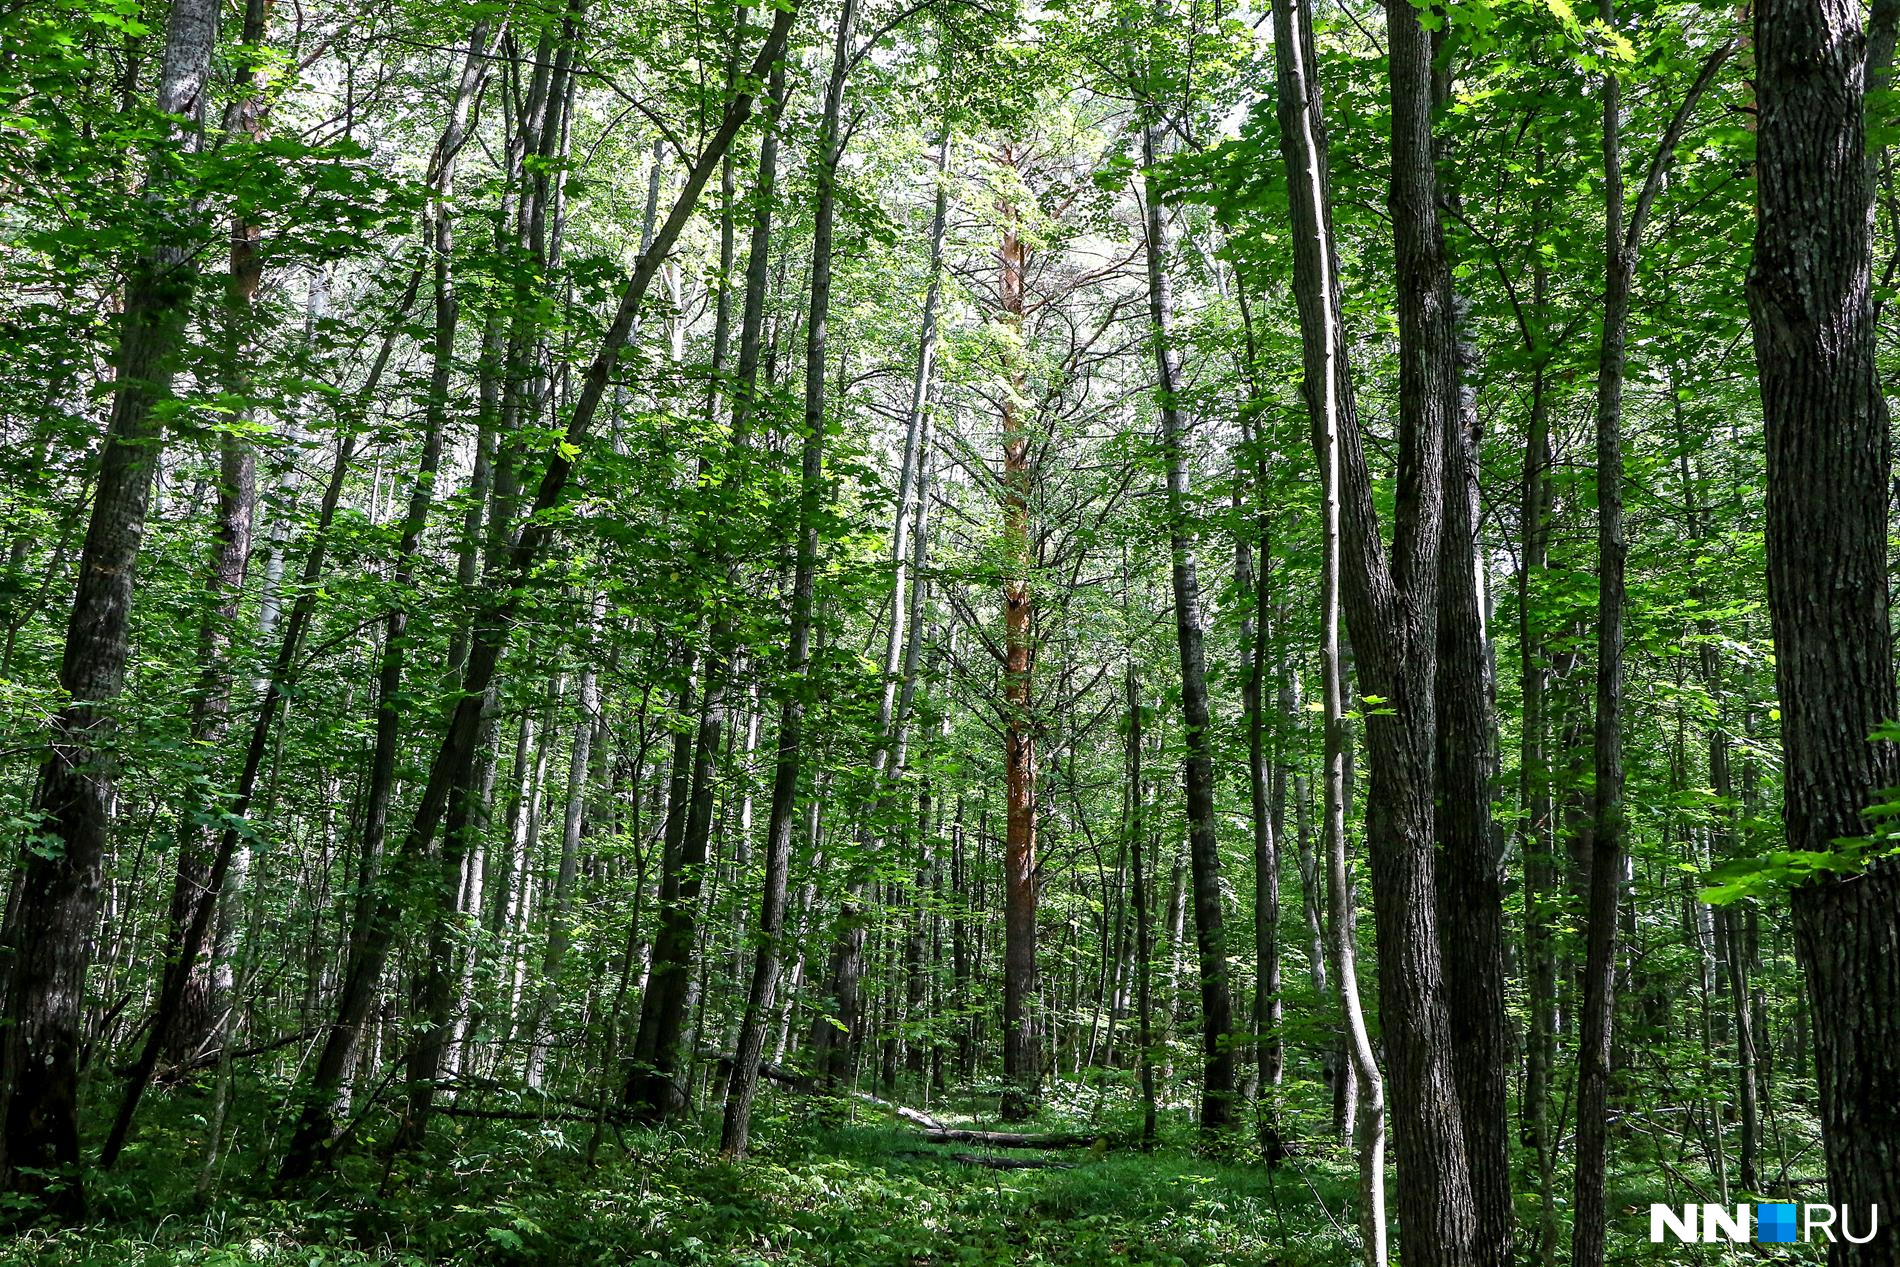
{"x":1811,"y":306}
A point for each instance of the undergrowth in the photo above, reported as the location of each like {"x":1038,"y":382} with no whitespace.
{"x":815,"y":1193}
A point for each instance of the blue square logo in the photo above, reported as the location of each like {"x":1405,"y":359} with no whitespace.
{"x":1774,"y":1222}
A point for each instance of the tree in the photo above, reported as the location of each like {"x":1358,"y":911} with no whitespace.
{"x":49,"y":925}
{"x":1810,"y":297}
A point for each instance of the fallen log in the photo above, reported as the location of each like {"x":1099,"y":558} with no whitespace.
{"x":988,"y":1162}
{"x":1009,"y":1163}
{"x":1007,"y":1139}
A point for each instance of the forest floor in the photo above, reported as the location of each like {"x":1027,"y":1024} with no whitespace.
{"x":864,"y":1193}
{"x":830,"y":1183}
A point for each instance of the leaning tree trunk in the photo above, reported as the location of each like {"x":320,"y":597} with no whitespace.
{"x":56,"y":903}
{"x":1811,"y":305}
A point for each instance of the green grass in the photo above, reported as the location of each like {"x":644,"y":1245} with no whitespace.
{"x":816,"y":1193}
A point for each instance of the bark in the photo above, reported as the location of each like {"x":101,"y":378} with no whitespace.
{"x":1392,"y":606}
{"x":781,"y":819}
{"x":1267,"y":799}
{"x":1811,"y":307}
{"x":1471,"y":889}
{"x":1538,"y":839}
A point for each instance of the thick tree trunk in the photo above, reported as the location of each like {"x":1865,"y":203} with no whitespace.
{"x":1811,"y":304}
{"x":1470,"y":883}
{"x":56,"y":901}
{"x":1392,"y":602}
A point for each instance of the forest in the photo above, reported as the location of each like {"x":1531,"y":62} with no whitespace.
{"x":923,"y":632}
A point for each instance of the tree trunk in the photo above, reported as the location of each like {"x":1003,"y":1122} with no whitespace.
{"x":1144,"y":932}
{"x":1608,"y":853}
{"x":196,"y":1020}
{"x":1217,"y":1047}
{"x":1810,"y":303}
{"x":1392,"y":603}
{"x":1268,"y":819}
{"x":1022,"y":1041}
{"x":1470,"y":888}
{"x":56,"y":901}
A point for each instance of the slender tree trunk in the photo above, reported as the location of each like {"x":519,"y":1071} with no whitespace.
{"x":1022,"y":1041}
{"x":1538,"y":839}
{"x":573,"y":828}
{"x":1144,"y":931}
{"x":762,"y":990}
{"x":276,"y":686}
{"x":196,"y":1020}
{"x":1589,"y":1228}
{"x":1268,"y":818}
{"x":1608,"y":853}
{"x":1217,"y":1046}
